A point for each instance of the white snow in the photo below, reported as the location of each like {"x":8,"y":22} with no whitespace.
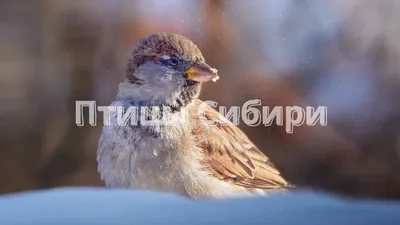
{"x":105,"y":206}
{"x":215,"y":79}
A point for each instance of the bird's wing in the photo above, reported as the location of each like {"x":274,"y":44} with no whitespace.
{"x":229,"y":155}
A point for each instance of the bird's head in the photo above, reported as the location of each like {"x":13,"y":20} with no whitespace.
{"x":166,"y":68}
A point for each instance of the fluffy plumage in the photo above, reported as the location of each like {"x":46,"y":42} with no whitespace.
{"x":187,"y":156}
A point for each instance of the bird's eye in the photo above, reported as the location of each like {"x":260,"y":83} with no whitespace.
{"x":173,"y":61}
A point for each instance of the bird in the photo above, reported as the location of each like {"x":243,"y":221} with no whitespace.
{"x":189,"y":156}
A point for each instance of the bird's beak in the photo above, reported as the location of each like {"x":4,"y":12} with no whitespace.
{"x":202,"y":72}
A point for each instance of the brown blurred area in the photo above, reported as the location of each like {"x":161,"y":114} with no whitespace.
{"x":341,"y":54}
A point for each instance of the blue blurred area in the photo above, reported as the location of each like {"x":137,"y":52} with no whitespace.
{"x":95,"y":206}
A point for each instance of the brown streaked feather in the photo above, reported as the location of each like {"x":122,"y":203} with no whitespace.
{"x":230,"y":156}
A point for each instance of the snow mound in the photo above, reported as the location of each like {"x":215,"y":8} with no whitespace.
{"x":74,"y":206}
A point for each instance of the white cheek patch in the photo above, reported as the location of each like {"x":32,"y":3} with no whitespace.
{"x":165,"y":57}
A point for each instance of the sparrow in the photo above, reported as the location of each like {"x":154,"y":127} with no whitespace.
{"x":200,"y":154}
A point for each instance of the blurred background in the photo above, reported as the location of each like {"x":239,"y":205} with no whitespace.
{"x":343,"y":54}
